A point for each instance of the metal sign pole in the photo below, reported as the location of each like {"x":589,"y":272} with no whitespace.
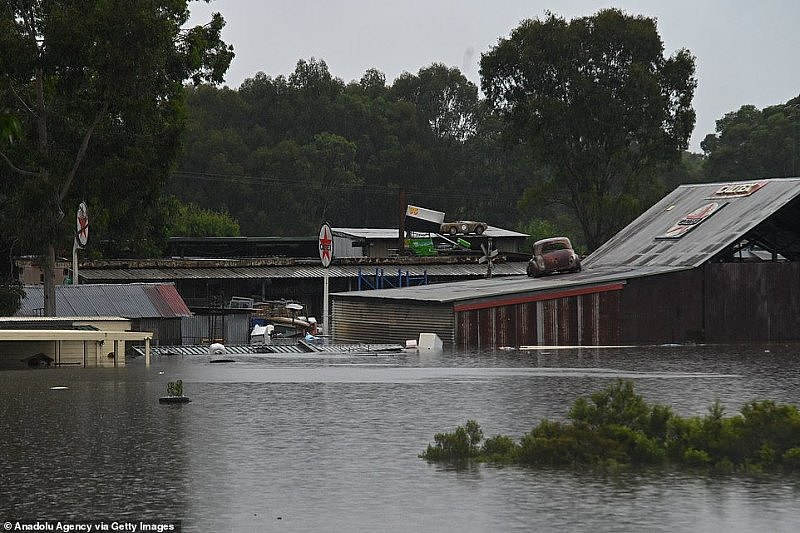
{"x":325,"y":310}
{"x":326,"y":256}
{"x":75,"y":262}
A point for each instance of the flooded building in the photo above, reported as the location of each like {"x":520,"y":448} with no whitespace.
{"x":716,"y":263}
{"x":156,"y":308}
{"x":31,"y":342}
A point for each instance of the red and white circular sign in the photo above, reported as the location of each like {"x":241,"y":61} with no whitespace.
{"x":325,"y":245}
{"x":82,"y":234}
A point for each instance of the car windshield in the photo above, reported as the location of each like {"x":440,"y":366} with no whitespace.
{"x":553,"y":246}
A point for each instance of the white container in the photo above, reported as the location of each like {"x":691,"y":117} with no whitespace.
{"x":429,"y":342}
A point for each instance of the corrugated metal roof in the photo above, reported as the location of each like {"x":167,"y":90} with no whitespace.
{"x":133,"y":300}
{"x":638,"y":244}
{"x":389,"y":233}
{"x":497,"y":287}
{"x":166,"y":299}
{"x":300,"y":271}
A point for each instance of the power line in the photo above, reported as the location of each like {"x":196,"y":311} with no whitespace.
{"x":386,"y":190}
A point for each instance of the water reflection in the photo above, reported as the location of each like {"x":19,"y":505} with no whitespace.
{"x":331,"y":443}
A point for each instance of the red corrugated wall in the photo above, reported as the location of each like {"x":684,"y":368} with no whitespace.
{"x":587,"y":316}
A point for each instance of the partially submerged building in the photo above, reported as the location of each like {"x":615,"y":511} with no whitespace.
{"x":148,"y":307}
{"x":716,"y":262}
{"x":27,"y":342}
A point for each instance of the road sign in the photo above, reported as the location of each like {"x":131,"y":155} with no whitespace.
{"x":325,"y":245}
{"x":82,"y":235}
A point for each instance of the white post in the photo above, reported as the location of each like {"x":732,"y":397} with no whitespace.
{"x":147,"y":352}
{"x":325,"y":310}
{"x":75,"y":262}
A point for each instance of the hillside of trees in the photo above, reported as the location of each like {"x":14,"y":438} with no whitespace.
{"x":282,"y":154}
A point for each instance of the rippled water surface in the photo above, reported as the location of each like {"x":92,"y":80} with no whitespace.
{"x":300,"y":443}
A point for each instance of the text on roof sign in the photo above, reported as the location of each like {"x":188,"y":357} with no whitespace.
{"x":736,"y":190}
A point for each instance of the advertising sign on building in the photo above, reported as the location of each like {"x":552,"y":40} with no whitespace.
{"x":691,"y":221}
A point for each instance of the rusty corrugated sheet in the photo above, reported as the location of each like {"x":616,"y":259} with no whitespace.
{"x":748,"y":302}
{"x":294,"y":272}
{"x":663,"y":309}
{"x":576,"y":318}
{"x":167,"y":300}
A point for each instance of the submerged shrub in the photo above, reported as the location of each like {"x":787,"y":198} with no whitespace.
{"x":499,"y":449}
{"x":460,"y":445}
{"x":693,"y":457}
{"x":617,"y":427}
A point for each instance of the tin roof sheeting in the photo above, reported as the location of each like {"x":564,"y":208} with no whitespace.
{"x":638,"y":245}
{"x":135,"y":300}
{"x":300,"y":271}
{"x":166,"y":299}
{"x":389,"y":233}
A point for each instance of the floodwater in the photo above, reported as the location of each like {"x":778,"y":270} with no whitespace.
{"x":302,"y":443}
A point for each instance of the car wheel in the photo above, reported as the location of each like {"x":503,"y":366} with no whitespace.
{"x":479,"y":229}
{"x":453,"y":230}
{"x":464,"y":228}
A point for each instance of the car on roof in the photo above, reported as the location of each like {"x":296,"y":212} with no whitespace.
{"x":553,"y":255}
{"x":462,"y":226}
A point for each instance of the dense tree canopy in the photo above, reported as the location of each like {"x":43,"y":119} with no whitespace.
{"x":751,"y":143}
{"x":284,"y":154}
{"x":599,"y":104}
{"x":98,"y":89}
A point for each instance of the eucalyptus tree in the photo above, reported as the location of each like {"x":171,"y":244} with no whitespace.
{"x":597,"y":101}
{"x":750,"y":143}
{"x":11,"y":292}
{"x":98,"y":88}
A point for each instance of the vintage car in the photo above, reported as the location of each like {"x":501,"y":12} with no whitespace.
{"x":553,"y":255}
{"x":462,"y":226}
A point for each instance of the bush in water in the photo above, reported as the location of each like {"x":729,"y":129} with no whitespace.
{"x":617,"y":427}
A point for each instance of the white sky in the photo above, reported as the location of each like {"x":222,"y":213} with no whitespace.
{"x":748,"y":52}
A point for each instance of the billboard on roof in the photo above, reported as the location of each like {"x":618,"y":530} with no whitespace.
{"x":423,"y":220}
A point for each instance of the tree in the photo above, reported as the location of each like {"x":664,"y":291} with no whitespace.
{"x":190,"y":220}
{"x":98,"y":87}
{"x":599,"y":104}
{"x":443,"y":96}
{"x":11,"y":291}
{"x":751,"y":143}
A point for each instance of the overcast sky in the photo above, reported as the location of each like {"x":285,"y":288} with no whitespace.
{"x":748,"y":52}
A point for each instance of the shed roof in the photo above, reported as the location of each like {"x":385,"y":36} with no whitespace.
{"x":392,"y":233}
{"x":130,"y":300}
{"x":763,"y":211}
{"x":296,"y":271}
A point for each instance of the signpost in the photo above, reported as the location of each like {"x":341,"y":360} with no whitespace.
{"x":326,"y":256}
{"x":81,"y":238}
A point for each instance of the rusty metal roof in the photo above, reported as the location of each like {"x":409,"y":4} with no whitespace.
{"x":297,"y":271}
{"x":392,"y":233}
{"x":132,"y":300}
{"x":648,"y":241}
{"x":166,"y":299}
